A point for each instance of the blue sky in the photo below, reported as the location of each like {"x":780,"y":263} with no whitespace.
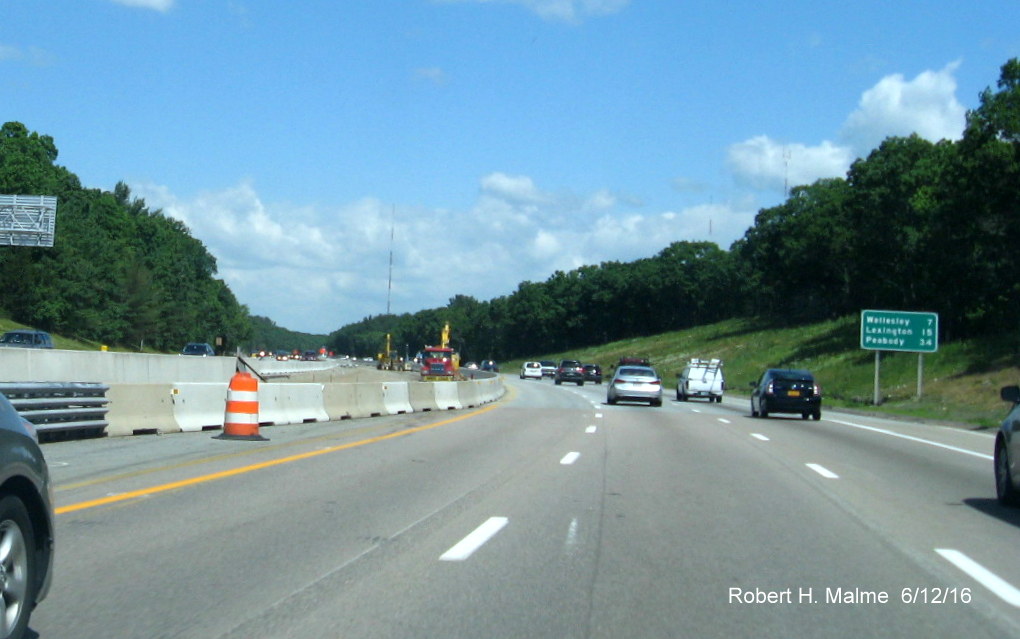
{"x":502,"y":140}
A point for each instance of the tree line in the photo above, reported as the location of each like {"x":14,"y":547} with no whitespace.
{"x":117,"y":273}
{"x":916,"y":225}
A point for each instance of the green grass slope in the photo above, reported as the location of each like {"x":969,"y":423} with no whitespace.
{"x":960,"y":383}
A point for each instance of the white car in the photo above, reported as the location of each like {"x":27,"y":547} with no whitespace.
{"x":531,"y":370}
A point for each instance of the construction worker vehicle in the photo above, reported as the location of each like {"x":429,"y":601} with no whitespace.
{"x":440,"y":363}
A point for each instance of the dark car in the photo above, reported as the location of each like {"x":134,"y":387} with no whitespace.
{"x":593,"y":373}
{"x":569,"y":370}
{"x":199,"y":349}
{"x":26,"y":338}
{"x":489,"y":365}
{"x":782,"y":390}
{"x":26,"y":521}
{"x":1007,"y":450}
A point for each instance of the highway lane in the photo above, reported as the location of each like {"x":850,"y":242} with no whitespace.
{"x":548,"y":514}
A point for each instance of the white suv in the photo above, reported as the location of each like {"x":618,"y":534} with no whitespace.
{"x":531,"y":370}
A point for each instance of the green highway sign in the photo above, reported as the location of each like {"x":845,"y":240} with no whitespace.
{"x":900,"y":331}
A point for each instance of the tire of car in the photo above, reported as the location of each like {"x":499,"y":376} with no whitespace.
{"x":816,"y":415}
{"x":655,"y":402}
{"x":611,"y":401}
{"x":557,"y":382}
{"x":18,"y":558}
{"x":1004,"y":489}
{"x":754,"y":413}
{"x":580,"y":383}
{"x":764,"y":410}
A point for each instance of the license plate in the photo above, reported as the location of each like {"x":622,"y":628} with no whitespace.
{"x":793,"y":393}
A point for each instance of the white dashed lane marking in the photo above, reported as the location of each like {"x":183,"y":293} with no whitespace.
{"x":467,"y":546}
{"x":823,"y":471}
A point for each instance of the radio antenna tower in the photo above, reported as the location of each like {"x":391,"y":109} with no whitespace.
{"x":786,"y":172}
{"x":389,"y":284}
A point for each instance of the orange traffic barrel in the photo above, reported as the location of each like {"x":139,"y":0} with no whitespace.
{"x":241,"y":420}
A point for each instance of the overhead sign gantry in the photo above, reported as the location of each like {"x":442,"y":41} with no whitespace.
{"x":27,"y":220}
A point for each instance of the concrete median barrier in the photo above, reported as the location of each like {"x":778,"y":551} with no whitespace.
{"x":397,"y":398}
{"x":370,"y":400}
{"x":422,"y":396}
{"x":199,"y":407}
{"x":191,"y":407}
{"x":136,"y":409}
{"x":468,"y":393}
{"x":447,"y":396}
{"x":490,"y":390}
{"x":291,"y":404}
{"x":339,"y":400}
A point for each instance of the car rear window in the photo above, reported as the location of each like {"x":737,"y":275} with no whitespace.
{"x":637,"y":372}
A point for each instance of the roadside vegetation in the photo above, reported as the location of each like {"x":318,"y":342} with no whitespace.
{"x":961,"y":381}
{"x":914,"y":226}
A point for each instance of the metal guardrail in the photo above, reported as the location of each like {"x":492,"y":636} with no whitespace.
{"x":58,"y":409}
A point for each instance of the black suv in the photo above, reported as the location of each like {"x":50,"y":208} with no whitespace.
{"x":27,"y":339}
{"x":593,"y":373}
{"x":570,"y":370}
{"x":783,"y":390}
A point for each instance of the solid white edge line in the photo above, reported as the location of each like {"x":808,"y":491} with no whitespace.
{"x":883,"y":431}
{"x":467,"y":546}
{"x":823,"y":471}
{"x":760,"y":436}
{"x":1002,"y":589}
{"x":570,"y":458}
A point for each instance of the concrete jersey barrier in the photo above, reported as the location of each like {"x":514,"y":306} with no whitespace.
{"x":193,"y":407}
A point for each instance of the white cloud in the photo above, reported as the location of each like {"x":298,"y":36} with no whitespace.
{"x":926,"y":105}
{"x":513,"y":188}
{"x":34,"y":56}
{"x":763,"y":163}
{"x":158,"y":5}
{"x":563,"y":10}
{"x":314,"y":269}
{"x":433,"y":75}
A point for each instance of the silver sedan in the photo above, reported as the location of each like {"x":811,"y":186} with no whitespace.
{"x":635,"y":384}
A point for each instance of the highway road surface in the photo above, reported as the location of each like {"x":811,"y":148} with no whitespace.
{"x":547,"y":514}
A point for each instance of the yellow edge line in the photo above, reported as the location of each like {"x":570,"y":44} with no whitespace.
{"x":134,"y":494}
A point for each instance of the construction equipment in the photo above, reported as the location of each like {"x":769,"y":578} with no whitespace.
{"x":388,"y":360}
{"x":440,"y":363}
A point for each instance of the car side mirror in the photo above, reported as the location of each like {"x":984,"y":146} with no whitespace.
{"x":1010,"y":394}
{"x":753,"y":384}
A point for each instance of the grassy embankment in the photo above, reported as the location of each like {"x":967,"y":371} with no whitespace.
{"x":961,"y":381}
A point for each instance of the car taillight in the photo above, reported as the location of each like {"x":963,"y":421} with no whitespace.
{"x":656,"y":382}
